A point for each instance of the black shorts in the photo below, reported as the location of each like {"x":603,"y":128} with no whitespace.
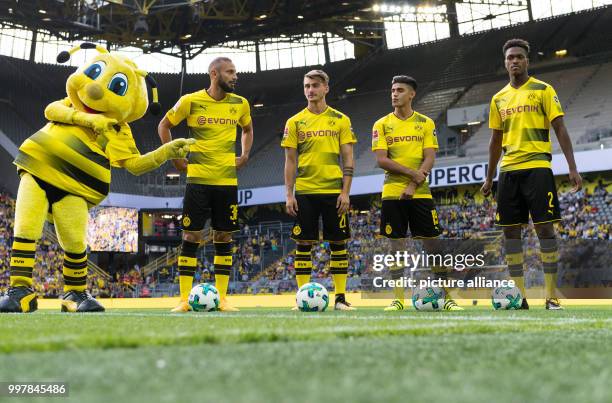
{"x":524,"y":192}
{"x":310,"y":207}
{"x":219,"y":203}
{"x":417,"y":214}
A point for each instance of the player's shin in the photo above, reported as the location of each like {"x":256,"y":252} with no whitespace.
{"x":339,"y":266}
{"x":397,"y":272}
{"x":303,"y":264}
{"x":223,"y":266}
{"x":550,"y":260}
{"x":187,"y":263}
{"x":514,"y":260}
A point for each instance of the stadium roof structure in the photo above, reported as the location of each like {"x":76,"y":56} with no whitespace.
{"x":185,"y":28}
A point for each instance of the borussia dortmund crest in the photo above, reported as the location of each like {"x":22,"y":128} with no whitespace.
{"x":388,"y":229}
{"x":186,"y":221}
{"x":297,"y":230}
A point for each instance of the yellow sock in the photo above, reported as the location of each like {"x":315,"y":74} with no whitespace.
{"x":550,"y":284}
{"x":339,"y":283}
{"x":221,"y":281}
{"x":185,"y":285}
{"x":398,"y":294}
{"x":187,"y":263}
{"x":303,"y":264}
{"x":75,"y":271}
{"x":302,"y":279}
{"x":550,"y":259}
{"x":223,"y":265}
{"x":22,"y":262}
{"x":449,"y":293}
{"x":519,"y":281}
{"x":396,"y":274}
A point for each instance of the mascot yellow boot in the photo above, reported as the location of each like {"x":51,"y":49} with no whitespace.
{"x":65,"y":169}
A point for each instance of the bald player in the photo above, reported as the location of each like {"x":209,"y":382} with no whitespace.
{"x":212,"y":116}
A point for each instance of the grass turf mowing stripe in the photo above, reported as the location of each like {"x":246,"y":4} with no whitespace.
{"x":555,"y":367}
{"x":53,"y":332}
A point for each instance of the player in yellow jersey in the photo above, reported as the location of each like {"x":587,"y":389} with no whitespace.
{"x":212,"y":116}
{"x":520,"y":116}
{"x":314,"y":140}
{"x":405,"y":145}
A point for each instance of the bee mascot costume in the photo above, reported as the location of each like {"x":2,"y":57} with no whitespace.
{"x":65,"y":169}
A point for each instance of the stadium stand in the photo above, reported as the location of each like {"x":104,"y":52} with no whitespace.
{"x":264,"y":263}
{"x":446,"y":71}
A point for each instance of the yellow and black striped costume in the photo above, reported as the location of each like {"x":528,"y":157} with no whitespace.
{"x":73,"y":159}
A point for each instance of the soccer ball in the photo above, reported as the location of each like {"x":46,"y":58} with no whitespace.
{"x":428,"y":298}
{"x":204,"y":298}
{"x":312,"y":297}
{"x":506,"y":298}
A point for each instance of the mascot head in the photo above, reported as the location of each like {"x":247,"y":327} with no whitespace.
{"x":110,"y":84}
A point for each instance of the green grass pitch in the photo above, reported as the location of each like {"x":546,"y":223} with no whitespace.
{"x":271,"y":355}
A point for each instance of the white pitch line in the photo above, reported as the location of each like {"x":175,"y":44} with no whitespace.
{"x":323,"y":317}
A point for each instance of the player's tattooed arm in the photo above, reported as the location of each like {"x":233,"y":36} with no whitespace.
{"x":246,"y":143}
{"x":291,"y":205}
{"x":343,"y":203}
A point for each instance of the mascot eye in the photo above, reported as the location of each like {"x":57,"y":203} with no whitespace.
{"x":95,"y":69}
{"x":118,"y":84}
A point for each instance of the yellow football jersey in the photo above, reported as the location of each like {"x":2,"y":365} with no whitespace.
{"x":317,"y":139}
{"x":74,"y":159}
{"x":524,"y":115}
{"x":212,"y":159}
{"x":404,"y":141}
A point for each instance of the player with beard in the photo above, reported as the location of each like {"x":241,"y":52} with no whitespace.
{"x":212,"y":116}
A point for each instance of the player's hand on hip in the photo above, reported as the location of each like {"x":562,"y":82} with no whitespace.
{"x":180,"y":164}
{"x":241,"y":161}
{"x":343,"y":203}
{"x":576,"y":180}
{"x":486,"y":188}
{"x":291,"y":206}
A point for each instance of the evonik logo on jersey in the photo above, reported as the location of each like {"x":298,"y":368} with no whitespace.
{"x":203,"y":120}
{"x":304,"y":135}
{"x":398,"y":139}
{"x":507,"y":112}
